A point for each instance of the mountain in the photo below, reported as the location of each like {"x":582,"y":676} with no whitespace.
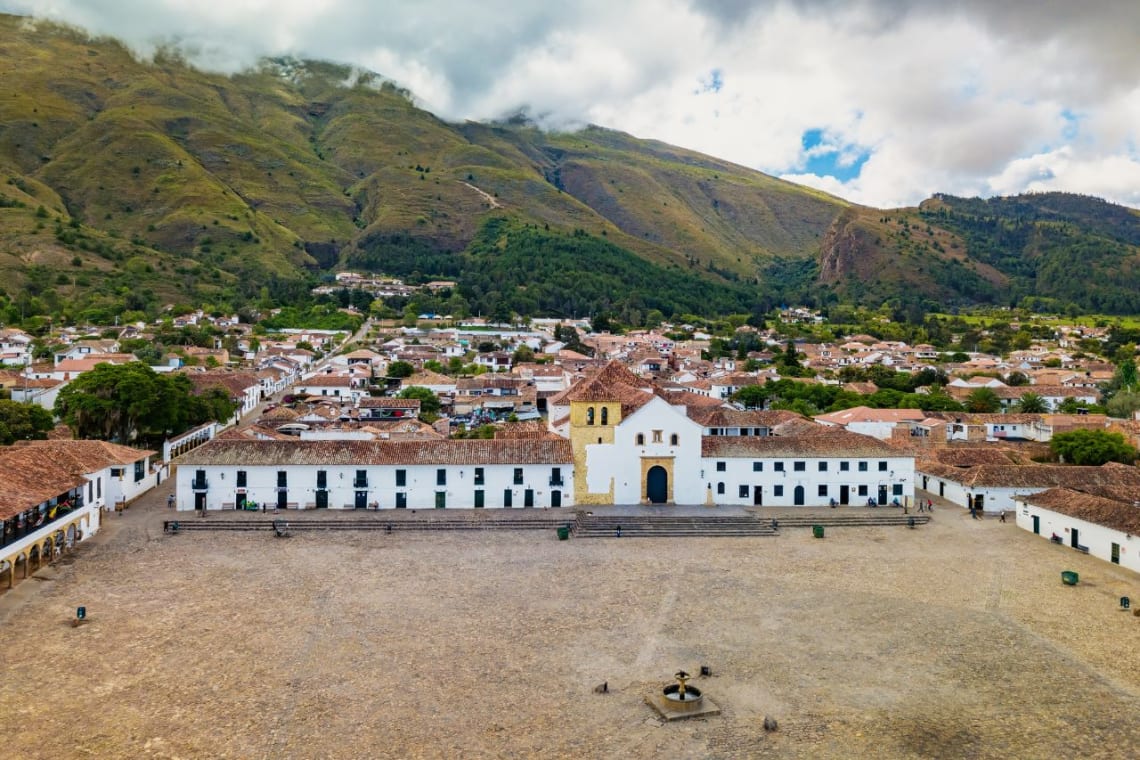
{"x":132,"y":184}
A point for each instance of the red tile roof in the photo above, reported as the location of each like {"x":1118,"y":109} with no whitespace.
{"x":443,"y":452}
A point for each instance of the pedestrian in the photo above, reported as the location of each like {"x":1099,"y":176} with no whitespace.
{"x":929,"y":505}
{"x":1002,"y":518}
{"x":921,"y":505}
{"x":170,"y":501}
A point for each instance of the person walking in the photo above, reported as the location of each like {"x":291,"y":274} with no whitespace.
{"x":1002,"y":518}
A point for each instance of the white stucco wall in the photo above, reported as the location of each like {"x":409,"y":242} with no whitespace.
{"x":420,"y":485}
{"x":778,"y":488}
{"x":1097,"y":538}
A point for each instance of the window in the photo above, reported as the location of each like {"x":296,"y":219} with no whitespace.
{"x":657,"y":436}
{"x":844,"y":466}
{"x":757,"y":467}
{"x":673,"y":439}
{"x":862,"y":467}
{"x":862,"y":490}
{"x":361,"y":479}
{"x":605,"y":415}
{"x":556,"y":476}
{"x":799,"y":466}
{"x":896,"y":489}
{"x":743,"y":492}
{"x":590,"y":416}
{"x":116,"y":472}
{"x":518,"y":476}
{"x":441,"y":477}
{"x":401,"y":477}
{"x":322,"y":479}
{"x":779,"y":466}
{"x":823,"y":466}
{"x":140,"y":470}
{"x":241,"y":478}
{"x":822,"y":490}
{"x":641,"y":439}
{"x":721,"y":466}
{"x":720,"y":488}
{"x":282,"y":478}
{"x":882,"y":466}
{"x":777,"y":490}
{"x":98,"y":488}
{"x":478,"y":476}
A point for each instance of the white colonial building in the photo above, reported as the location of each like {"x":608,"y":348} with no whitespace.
{"x":1104,"y":527}
{"x":623,"y":442}
{"x":228,"y":473}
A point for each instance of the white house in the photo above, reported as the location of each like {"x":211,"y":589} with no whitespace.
{"x":227,"y":473}
{"x":53,"y":495}
{"x":878,"y":423}
{"x":992,"y":488}
{"x":813,"y":469}
{"x":1106,"y":528}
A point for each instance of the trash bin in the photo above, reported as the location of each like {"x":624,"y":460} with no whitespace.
{"x":1125,"y":602}
{"x":563,"y":533}
{"x":1069,"y":578}
{"x":817,"y":531}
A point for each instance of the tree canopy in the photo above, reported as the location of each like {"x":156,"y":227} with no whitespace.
{"x":429,"y":402}
{"x":23,"y":422}
{"x":1092,"y":447}
{"x":128,"y":401}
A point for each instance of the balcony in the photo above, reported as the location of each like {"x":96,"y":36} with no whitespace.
{"x":199,"y":484}
{"x":360,"y":482}
{"x":557,"y":481}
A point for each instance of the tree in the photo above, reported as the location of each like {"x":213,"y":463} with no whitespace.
{"x":127,"y":401}
{"x":1092,"y":447}
{"x":1031,"y":403}
{"x":1017,"y":379}
{"x":752,"y":396}
{"x":983,"y":400}
{"x":401,"y":369}
{"x":523,"y":354}
{"x":429,"y":402}
{"x":1123,"y":404}
{"x":23,"y":422}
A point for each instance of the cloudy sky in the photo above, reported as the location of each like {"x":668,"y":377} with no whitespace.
{"x":882,"y":102}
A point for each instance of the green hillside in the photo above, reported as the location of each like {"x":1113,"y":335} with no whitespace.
{"x":129,"y":185}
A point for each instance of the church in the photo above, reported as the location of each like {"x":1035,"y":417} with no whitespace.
{"x":615,"y":439}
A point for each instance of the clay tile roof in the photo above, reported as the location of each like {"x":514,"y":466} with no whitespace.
{"x":970,"y":457}
{"x":820,"y":443}
{"x":528,"y":430}
{"x":1112,"y":513}
{"x":611,"y":383}
{"x":1045,"y":476}
{"x":33,"y":472}
{"x":441,"y":452}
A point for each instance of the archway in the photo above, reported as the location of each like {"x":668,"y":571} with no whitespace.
{"x":657,"y":485}
{"x":798,"y":496}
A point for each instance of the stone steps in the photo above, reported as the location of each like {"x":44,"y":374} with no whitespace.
{"x":363,"y":525}
{"x":633,"y":526}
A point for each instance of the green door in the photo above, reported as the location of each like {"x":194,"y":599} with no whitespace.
{"x":507,"y":497}
{"x":528,"y":497}
{"x":440,"y":499}
{"x":1116,"y":554}
{"x":556,"y":498}
{"x":322,"y":499}
{"x":479,"y":499}
{"x":657,"y":485}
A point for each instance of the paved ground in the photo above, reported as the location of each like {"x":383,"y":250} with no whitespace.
{"x":954,"y":640}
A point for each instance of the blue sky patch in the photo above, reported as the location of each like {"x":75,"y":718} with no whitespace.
{"x":826,"y":157}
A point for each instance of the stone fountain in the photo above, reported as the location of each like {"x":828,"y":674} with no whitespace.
{"x":680,"y":700}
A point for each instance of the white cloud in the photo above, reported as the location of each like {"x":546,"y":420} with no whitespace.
{"x":967,"y":97}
